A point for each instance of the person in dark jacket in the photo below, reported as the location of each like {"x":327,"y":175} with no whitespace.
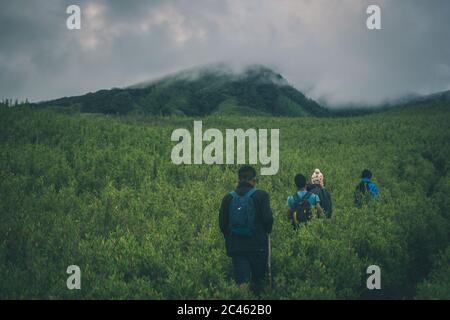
{"x":249,"y":253}
{"x":318,"y":188}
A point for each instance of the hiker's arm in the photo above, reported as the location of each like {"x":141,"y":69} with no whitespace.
{"x":266,"y":211}
{"x":290,"y":213}
{"x":318,"y":209}
{"x":223,"y":216}
{"x":373,"y":189}
{"x":290,"y":210}
{"x":331,"y":205}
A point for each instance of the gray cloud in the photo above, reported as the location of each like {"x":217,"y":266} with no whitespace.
{"x":322,"y":47}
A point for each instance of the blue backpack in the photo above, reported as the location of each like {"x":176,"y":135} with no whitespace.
{"x":242,"y":214}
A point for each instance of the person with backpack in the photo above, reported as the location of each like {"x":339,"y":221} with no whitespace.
{"x":300,"y":203}
{"x":317,"y":187}
{"x":365,"y":189}
{"x":245,"y":219}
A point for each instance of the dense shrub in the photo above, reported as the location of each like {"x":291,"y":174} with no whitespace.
{"x":437,"y":284}
{"x":100,"y":192}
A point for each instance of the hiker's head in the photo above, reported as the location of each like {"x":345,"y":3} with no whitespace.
{"x":317,"y":177}
{"x":366,"y":174}
{"x":300,"y":181}
{"x":247,"y":174}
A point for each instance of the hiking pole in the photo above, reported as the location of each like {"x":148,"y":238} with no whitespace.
{"x":269,"y":264}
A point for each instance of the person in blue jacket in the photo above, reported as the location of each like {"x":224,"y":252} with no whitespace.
{"x":296,"y":202}
{"x":366,"y":188}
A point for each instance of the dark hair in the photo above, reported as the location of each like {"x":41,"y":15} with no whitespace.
{"x":246,"y":173}
{"x":300,"y":181}
{"x":366,"y":174}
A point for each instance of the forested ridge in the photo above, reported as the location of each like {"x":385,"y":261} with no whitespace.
{"x":201,"y":91}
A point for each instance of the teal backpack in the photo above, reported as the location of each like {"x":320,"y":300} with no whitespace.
{"x":242,"y":214}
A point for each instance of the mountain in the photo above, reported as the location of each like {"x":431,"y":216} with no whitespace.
{"x":443,"y":96}
{"x":216,"y":89}
{"x":411,"y":101}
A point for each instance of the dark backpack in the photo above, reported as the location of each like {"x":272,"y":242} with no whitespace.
{"x":325,"y":200}
{"x":302,"y":208}
{"x":361,"y":192}
{"x":242,"y":214}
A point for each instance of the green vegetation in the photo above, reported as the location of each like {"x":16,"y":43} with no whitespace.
{"x":100,"y":192}
{"x":437,"y":284}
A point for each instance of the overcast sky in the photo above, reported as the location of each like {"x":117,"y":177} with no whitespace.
{"x":322,"y":47}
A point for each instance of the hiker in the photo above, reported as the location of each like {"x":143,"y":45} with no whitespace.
{"x":245,"y":219}
{"x":365,"y":189}
{"x":300,"y":203}
{"x":317,"y":187}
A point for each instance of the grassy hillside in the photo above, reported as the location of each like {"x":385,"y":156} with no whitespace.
{"x":101,"y":192}
{"x":199,"y":92}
